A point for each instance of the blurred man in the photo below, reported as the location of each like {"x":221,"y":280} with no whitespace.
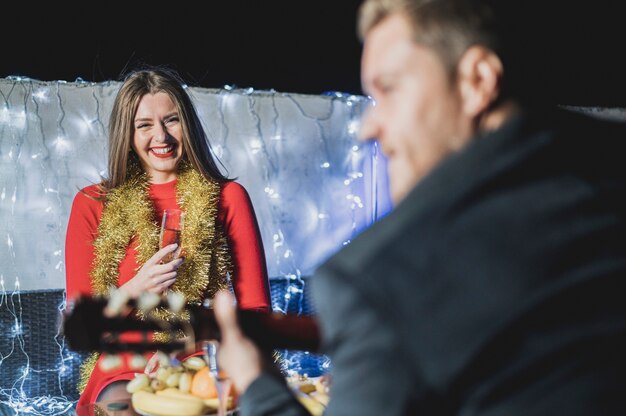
{"x":496,"y":284}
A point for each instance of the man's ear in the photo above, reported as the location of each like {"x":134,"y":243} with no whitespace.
{"x":479,"y":77}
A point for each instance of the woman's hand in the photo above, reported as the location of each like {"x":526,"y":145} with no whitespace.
{"x":154,"y":277}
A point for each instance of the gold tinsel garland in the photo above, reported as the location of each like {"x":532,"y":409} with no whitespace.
{"x":129,"y":213}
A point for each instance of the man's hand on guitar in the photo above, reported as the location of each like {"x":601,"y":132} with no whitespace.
{"x":238,"y":356}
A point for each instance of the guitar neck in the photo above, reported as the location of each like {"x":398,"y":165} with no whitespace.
{"x":268,"y":330}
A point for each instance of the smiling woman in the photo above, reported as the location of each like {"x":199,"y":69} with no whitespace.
{"x":159,"y":158}
{"x":158,"y":137}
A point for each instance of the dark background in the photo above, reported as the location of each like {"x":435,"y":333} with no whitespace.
{"x":290,"y":46}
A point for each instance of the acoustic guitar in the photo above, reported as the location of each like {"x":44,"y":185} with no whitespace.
{"x":88,"y":327}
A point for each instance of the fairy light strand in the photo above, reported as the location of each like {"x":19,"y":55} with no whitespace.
{"x":296,"y":154}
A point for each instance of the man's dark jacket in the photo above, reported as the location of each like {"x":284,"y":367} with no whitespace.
{"x":496,"y":287}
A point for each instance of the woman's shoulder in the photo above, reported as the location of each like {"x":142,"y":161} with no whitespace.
{"x":232,"y":191}
{"x":89,"y":195}
{"x":234,"y":198}
{"x":88,"y":205}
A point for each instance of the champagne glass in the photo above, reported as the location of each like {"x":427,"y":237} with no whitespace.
{"x":223,"y":384}
{"x":171,"y":229}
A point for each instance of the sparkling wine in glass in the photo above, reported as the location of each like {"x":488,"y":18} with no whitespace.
{"x":171,"y":229}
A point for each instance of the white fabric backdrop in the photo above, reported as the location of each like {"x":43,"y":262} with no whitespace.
{"x":313,"y":185}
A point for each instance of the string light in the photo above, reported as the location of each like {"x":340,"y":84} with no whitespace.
{"x":297,"y":155}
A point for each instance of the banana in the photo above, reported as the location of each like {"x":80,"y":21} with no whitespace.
{"x":184,"y":382}
{"x":212,"y":403}
{"x":164,"y":405}
{"x":138,"y":383}
{"x":176,"y":393}
{"x":156,"y":384}
{"x":163,"y":373}
{"x":194,"y":363}
{"x":172,"y":380}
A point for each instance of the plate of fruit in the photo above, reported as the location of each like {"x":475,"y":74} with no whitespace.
{"x":183,"y":389}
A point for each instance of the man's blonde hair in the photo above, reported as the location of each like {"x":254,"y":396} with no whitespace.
{"x":449,"y":27}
